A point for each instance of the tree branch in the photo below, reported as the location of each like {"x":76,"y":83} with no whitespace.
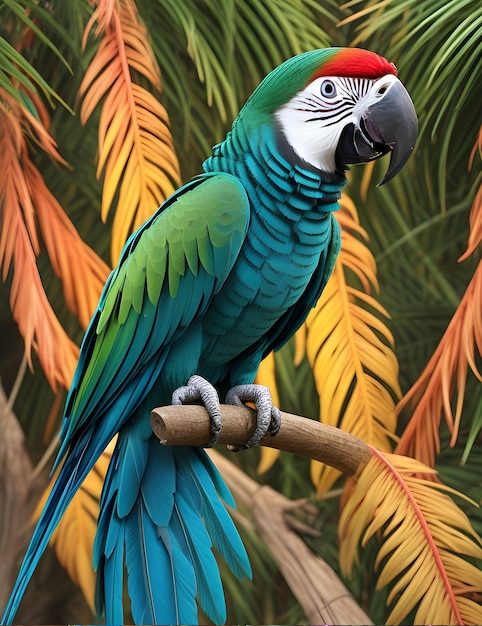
{"x":189,"y":425}
{"x":321,"y":594}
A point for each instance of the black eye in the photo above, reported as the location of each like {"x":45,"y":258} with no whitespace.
{"x":328,"y":89}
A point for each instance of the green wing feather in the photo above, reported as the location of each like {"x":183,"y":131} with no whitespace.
{"x":198,"y":232}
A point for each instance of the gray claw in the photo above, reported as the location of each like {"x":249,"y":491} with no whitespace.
{"x":198,"y":389}
{"x":268,"y":416}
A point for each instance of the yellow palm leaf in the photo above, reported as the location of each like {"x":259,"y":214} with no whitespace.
{"x":426,"y":539}
{"x":73,"y":539}
{"x":350,"y":350}
{"x":267,"y":376}
{"x":136,"y":151}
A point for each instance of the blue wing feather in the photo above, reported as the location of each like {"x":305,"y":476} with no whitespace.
{"x":124,"y":371}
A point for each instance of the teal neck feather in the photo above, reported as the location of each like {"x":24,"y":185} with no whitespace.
{"x":274,"y":178}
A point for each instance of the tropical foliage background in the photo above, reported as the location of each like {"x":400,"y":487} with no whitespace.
{"x":105,"y":107}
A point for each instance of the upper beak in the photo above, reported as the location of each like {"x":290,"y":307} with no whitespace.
{"x":387,"y":125}
{"x":392,"y":121}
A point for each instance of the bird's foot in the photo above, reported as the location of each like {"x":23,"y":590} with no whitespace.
{"x":198,"y":389}
{"x":268,"y":416}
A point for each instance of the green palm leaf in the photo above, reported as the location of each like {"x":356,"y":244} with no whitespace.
{"x":16,"y":26}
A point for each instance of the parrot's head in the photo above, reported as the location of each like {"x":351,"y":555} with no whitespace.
{"x":339,"y":106}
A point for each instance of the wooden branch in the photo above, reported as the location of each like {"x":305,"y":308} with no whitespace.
{"x":321,"y":594}
{"x":189,"y":425}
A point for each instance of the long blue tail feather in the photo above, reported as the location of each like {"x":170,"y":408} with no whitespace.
{"x":160,"y":513}
{"x":161,"y":508}
{"x":218,"y":522}
{"x":155,"y":575}
{"x":208,"y":580}
{"x":182,"y":575}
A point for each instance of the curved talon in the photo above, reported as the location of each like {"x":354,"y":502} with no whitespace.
{"x":198,"y":389}
{"x":275,"y":421}
{"x":268,"y":416}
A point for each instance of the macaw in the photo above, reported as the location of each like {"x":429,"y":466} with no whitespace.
{"x":224,"y":272}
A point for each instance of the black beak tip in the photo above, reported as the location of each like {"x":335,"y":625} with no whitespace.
{"x":396,"y":164}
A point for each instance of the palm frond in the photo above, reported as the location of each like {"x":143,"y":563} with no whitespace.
{"x":73,"y":539}
{"x":350,"y":349}
{"x":446,"y":370}
{"x":427,"y":542}
{"x":19,"y":246}
{"x":82,"y":272}
{"x":17,"y":30}
{"x":136,"y":152}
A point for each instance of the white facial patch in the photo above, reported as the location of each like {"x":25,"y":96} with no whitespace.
{"x":313,"y":120}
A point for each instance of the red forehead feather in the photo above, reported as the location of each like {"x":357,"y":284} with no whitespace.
{"x":356,"y":63}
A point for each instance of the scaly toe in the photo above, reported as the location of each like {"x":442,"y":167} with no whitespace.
{"x":268,"y":417}
{"x":198,"y":389}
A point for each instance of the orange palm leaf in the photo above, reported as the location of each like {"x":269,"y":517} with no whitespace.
{"x":136,"y":152}
{"x":82,"y":271}
{"x":426,"y":539}
{"x":447,"y":369}
{"x":351,"y":352}
{"x":27,"y":202}
{"x":35,"y":318}
{"x":19,"y":246}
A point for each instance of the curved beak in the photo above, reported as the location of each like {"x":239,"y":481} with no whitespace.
{"x":392,"y":121}
{"x":388,"y":125}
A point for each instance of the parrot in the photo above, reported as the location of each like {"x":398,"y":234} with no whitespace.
{"x":224,"y":272}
